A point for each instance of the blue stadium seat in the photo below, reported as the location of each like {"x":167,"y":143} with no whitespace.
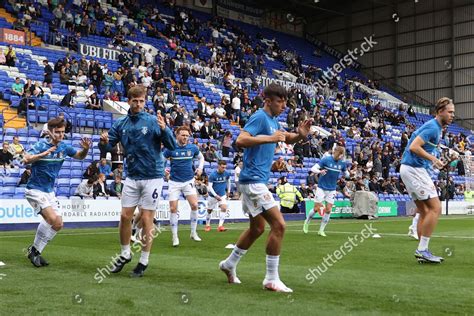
{"x":77,"y":173}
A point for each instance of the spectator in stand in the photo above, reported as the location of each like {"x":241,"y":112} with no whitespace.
{"x":205,"y":131}
{"x":118,"y":86}
{"x":104,"y":168}
{"x":3,"y":59}
{"x":6,"y":157}
{"x":279,"y":165}
{"x":25,"y":103}
{"x":306,"y":192}
{"x":201,"y":107}
{"x":236,"y":108}
{"x":108,"y":81}
{"x":226,"y":144}
{"x":25,"y":176}
{"x":93,"y":102}
{"x":69,"y":100}
{"x":289,"y":166}
{"x":100,"y":187}
{"x":116,"y":187}
{"x":48,"y":74}
{"x":92,"y":171}
{"x":115,"y":96}
{"x":210,"y":155}
{"x":16,"y":148}
{"x":118,"y":171}
{"x":81,"y":79}
{"x":17,"y":87}
{"x":10,"y":56}
{"x":89,"y":91}
{"x":86,"y":188}
{"x":386,"y":162}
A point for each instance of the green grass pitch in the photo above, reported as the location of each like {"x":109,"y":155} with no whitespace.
{"x":378,"y":277}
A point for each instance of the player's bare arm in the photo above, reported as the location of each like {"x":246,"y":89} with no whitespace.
{"x":246,"y":140}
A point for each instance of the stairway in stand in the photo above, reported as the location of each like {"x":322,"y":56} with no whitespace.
{"x":10,"y":116}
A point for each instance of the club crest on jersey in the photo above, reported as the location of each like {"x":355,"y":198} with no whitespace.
{"x":189,"y":152}
{"x":144,"y":130}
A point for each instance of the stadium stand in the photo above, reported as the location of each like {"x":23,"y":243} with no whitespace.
{"x":207,"y":74}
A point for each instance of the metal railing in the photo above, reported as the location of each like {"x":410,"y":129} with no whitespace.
{"x":64,"y":41}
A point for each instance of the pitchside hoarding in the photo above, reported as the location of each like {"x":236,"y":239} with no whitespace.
{"x":343,"y":209}
{"x":77,"y":211}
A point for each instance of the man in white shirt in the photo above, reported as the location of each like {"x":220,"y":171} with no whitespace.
{"x":237,"y":170}
{"x":148,"y":57}
{"x":147,"y":80}
{"x":86,"y":188}
{"x":90,"y":91}
{"x":236,"y":108}
{"x":220,"y":112}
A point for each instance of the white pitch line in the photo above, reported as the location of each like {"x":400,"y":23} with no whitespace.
{"x":388,"y":234}
{"x":240,"y":228}
{"x":60,"y":234}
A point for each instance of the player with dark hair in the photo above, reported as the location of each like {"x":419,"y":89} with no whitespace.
{"x":329,"y":169}
{"x":259,"y":139}
{"x":219,"y":190}
{"x":47,"y":157}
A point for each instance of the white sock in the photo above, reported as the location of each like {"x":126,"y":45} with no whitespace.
{"x":125,"y":251}
{"x":174,"y":224}
{"x":208,"y":219}
{"x":310,"y":216}
{"x":424,"y":242}
{"x":222,"y":218}
{"x":194,"y":221}
{"x":324,"y":221}
{"x":414,"y":222}
{"x":144,"y":257}
{"x":234,"y":257}
{"x":51,"y":233}
{"x":42,"y":235}
{"x":272,"y":268}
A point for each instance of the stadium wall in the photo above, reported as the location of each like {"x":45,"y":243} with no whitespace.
{"x":425,"y":47}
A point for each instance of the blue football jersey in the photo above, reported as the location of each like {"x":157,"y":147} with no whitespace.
{"x":333,"y":169}
{"x":45,"y":171}
{"x":258,"y":159}
{"x":181,"y":161}
{"x":219,"y":182}
{"x":430,"y":132}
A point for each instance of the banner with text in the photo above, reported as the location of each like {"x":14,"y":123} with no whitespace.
{"x":12,"y":36}
{"x":77,"y":210}
{"x":101,"y":52}
{"x":265,"y":81}
{"x":243,"y":11}
{"x":328,"y":49}
{"x":344,"y":209}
